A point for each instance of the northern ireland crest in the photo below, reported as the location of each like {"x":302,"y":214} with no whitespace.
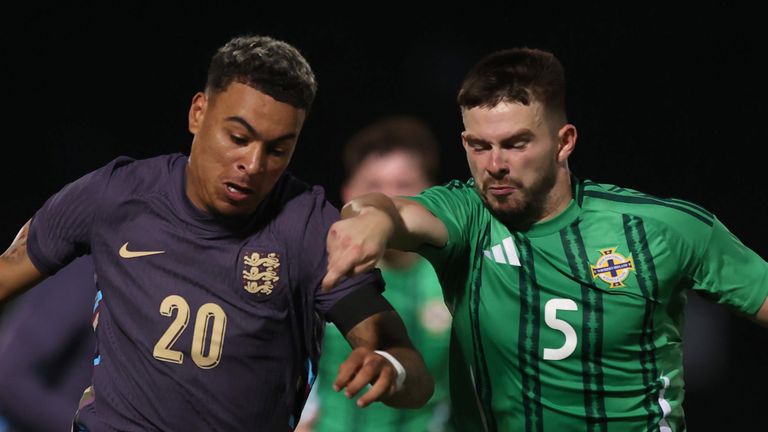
{"x":612,"y":268}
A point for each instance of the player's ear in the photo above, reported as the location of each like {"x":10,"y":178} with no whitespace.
{"x":197,"y":111}
{"x":566,"y":137}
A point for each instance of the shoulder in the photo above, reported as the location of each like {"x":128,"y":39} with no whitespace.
{"x":457,"y":188}
{"x":298,"y":199}
{"x":675,"y":214}
{"x":301,"y":211}
{"x":448,"y":195}
{"x":137,"y":174}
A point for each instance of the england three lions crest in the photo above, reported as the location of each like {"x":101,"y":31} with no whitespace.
{"x":612,"y":267}
{"x":261,"y":271}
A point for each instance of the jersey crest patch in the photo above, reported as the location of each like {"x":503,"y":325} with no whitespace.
{"x":261,"y":271}
{"x":613,"y":268}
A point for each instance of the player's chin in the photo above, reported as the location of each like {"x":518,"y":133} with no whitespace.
{"x":507,"y":206}
{"x":237,"y":209}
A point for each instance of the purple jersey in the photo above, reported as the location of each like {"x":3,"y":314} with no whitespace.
{"x":46,"y":351}
{"x":204,"y":324}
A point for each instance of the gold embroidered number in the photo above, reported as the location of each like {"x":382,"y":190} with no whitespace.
{"x":210,"y":319}
{"x":163,"y":349}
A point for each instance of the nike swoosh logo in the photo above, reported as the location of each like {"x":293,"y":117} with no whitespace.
{"x":125,"y":253}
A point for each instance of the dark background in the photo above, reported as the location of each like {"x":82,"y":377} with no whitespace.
{"x":668,"y":102}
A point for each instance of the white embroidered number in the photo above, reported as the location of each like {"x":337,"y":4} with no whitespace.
{"x":210,"y":319}
{"x":550,"y":317}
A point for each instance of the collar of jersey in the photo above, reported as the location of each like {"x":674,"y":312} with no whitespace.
{"x":549,"y":226}
{"x":202,"y":222}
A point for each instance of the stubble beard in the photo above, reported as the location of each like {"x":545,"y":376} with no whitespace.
{"x":526,"y":207}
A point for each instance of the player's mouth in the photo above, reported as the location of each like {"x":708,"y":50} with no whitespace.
{"x":237,"y":192}
{"x":501,"y":190}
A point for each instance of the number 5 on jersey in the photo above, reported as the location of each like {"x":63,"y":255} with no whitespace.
{"x":550,"y":318}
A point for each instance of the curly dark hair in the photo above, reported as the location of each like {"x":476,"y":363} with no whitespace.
{"x":515,"y":75}
{"x":271,"y":66}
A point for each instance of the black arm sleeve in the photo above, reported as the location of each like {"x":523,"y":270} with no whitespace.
{"x":356,"y":306}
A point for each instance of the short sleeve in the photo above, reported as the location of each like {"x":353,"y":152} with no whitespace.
{"x":60,"y":230}
{"x":455,"y":204}
{"x":730,"y":272}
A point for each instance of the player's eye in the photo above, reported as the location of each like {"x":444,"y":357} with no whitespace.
{"x":237,"y":139}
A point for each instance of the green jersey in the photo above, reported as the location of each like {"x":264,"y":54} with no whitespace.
{"x":415,"y":294}
{"x":575,"y":324}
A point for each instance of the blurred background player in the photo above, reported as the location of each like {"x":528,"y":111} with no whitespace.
{"x":46,"y":351}
{"x":396,"y":156}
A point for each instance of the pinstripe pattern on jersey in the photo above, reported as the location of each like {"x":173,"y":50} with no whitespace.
{"x":482,"y":377}
{"x":591,"y":331}
{"x":648,"y":282}
{"x":618,"y":194}
{"x":528,"y":341}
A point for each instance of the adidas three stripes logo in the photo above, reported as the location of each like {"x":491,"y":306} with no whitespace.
{"x":504,"y":253}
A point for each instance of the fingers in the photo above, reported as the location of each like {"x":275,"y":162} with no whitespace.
{"x":349,"y":252}
{"x":381,"y":388}
{"x":342,"y":269}
{"x":361,"y":368}
{"x":330,"y":280}
{"x":369,"y":372}
{"x":348,"y":369}
{"x":339,"y":262}
{"x":345,"y":263}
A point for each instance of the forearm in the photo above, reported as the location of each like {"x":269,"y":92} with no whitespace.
{"x":407,"y":223}
{"x":381,"y":208}
{"x":386,"y":332}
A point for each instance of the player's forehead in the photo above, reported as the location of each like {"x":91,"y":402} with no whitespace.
{"x":397,"y":162}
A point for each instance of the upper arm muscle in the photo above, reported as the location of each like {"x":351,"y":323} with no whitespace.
{"x":421,"y":225}
{"x":17,"y":272}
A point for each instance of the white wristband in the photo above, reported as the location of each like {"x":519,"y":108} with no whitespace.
{"x":400,"y":380}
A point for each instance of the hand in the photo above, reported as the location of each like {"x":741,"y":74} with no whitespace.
{"x":362,"y":367}
{"x":355,"y":245}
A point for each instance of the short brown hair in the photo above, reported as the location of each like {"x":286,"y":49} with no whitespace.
{"x":515,"y":75}
{"x":396,"y":133}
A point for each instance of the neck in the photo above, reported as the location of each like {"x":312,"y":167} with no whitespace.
{"x":559,"y":197}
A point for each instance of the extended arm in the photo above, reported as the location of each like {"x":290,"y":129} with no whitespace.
{"x":17,"y":273}
{"x":372,"y":223}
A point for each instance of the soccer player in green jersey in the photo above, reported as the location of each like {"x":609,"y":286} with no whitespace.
{"x":567,"y":295}
{"x":395,"y":156}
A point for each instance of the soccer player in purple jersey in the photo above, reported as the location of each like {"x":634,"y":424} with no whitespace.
{"x":209,"y":268}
